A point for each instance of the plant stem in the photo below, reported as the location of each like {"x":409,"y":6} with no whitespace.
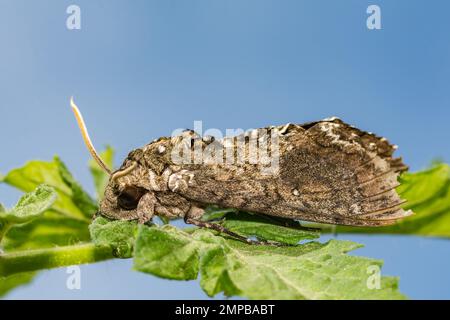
{"x":32,"y":260}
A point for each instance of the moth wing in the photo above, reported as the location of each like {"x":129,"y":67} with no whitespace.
{"x":329,"y":172}
{"x":343,"y":175}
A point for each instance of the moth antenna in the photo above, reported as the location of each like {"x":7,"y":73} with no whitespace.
{"x":86,"y":138}
{"x":123,"y":172}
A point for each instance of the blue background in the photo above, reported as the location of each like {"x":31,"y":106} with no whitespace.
{"x":140,"y":69}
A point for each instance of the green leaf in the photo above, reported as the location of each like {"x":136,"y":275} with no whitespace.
{"x":10,"y":283}
{"x":308,"y":271}
{"x":120,"y":235}
{"x":428,"y":196}
{"x":46,"y":242}
{"x":52,"y":229}
{"x":100,"y":177}
{"x":79,"y":197}
{"x":228,"y":266}
{"x":66,"y":222}
{"x":268,"y":228}
{"x":72,"y":201}
{"x":30,"y":206}
{"x":166,"y":252}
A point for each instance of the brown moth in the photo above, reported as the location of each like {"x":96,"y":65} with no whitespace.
{"x":328,"y":172}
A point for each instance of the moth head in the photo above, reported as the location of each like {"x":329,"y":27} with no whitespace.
{"x":121,"y":201}
{"x":123,"y":192}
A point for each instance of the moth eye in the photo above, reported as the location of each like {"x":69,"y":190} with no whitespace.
{"x":129,"y":198}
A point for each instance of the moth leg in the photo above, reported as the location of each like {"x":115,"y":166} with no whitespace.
{"x":221,"y":229}
{"x":146,"y":208}
{"x":194,"y":215}
{"x":216,"y":227}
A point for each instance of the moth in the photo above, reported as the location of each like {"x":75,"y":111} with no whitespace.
{"x":328,"y":172}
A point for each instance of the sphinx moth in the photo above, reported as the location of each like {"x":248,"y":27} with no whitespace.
{"x":327,"y":172}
